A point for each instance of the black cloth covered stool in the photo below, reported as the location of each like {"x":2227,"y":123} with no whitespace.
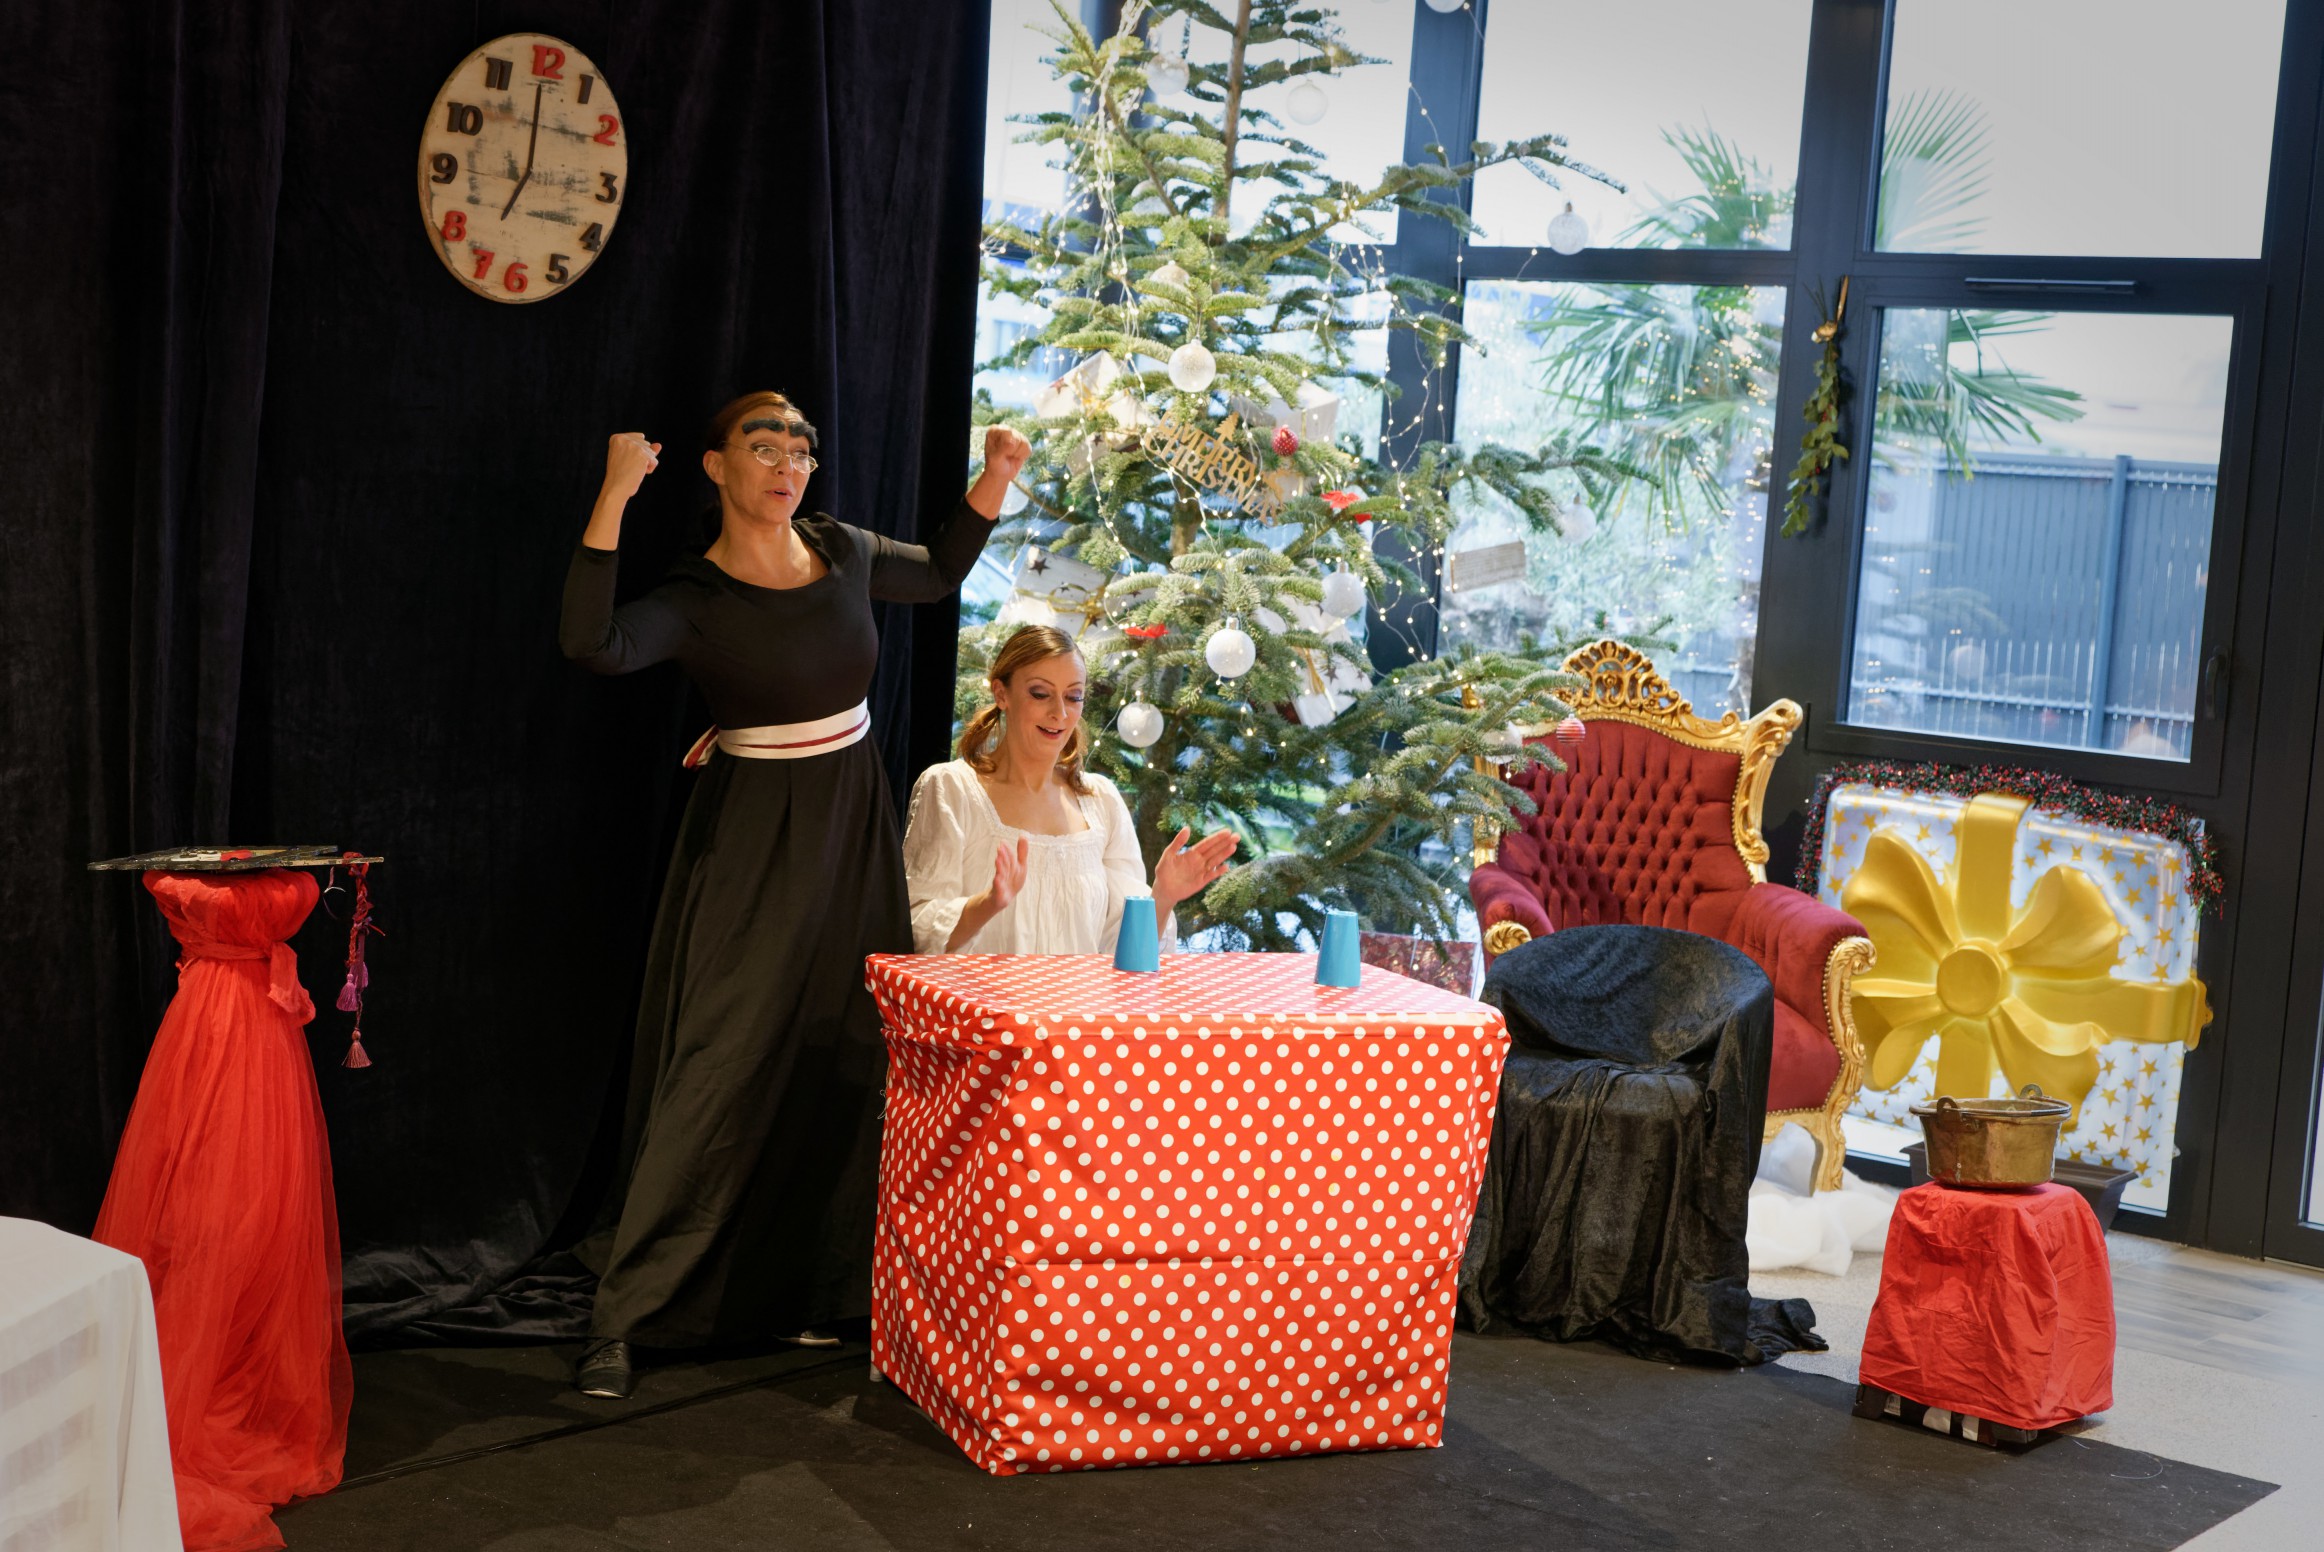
{"x":1618,"y":1186}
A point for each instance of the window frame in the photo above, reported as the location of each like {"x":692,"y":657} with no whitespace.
{"x":2254,"y":764}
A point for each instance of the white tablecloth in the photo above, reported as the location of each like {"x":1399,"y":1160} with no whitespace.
{"x":84,"y":1439}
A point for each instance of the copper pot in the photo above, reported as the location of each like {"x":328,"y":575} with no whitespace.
{"x":1993,"y":1142}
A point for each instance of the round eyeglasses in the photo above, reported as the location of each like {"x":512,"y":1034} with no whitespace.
{"x":775,"y":457}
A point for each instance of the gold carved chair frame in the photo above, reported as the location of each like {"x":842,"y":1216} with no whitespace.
{"x":1620,"y":684}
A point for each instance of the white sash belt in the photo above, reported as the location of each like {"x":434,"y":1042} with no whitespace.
{"x":785,"y":740}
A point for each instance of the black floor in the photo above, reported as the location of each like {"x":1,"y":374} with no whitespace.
{"x":1574,"y":1448}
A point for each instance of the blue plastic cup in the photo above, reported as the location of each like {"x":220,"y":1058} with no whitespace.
{"x":1137,"y":948}
{"x":1339,"y":964}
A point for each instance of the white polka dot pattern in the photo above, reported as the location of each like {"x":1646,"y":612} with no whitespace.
{"x":1214,"y":1213}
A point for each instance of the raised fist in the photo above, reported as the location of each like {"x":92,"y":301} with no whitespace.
{"x":629,"y":458}
{"x":1005,"y":452}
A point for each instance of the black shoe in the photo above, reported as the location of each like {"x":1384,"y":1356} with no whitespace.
{"x":811,"y":1337}
{"x":605,"y":1371}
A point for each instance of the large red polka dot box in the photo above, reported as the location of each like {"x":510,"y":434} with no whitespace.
{"x":1211,"y":1213}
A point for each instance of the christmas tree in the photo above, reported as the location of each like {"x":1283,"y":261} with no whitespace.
{"x":1190,"y":515}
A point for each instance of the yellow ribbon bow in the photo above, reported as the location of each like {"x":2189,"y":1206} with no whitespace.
{"x":2031,"y":990}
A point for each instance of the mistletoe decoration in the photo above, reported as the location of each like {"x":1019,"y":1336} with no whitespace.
{"x":1821,"y":444}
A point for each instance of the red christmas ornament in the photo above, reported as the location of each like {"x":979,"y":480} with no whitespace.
{"x":1570,"y":733}
{"x":1146,"y":632}
{"x":1286,"y":442}
{"x":1341,"y":500}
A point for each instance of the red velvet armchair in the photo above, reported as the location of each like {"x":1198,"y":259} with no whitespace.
{"x":1657,"y":820}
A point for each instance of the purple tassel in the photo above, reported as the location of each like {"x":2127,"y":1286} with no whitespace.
{"x":350,"y":998}
{"x":362,"y":975}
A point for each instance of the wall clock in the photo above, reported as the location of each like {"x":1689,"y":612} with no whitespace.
{"x":524,"y":166}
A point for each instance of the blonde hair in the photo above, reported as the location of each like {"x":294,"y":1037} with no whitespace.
{"x":1027,"y":644}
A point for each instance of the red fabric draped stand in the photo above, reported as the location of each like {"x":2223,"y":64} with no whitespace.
{"x":1996,"y":1305}
{"x":223,"y":1188}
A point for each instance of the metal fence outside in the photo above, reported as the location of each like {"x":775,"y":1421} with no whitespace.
{"x":2037,"y":600}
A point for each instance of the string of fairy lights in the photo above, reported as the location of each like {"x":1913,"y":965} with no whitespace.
{"x":1356,"y":275}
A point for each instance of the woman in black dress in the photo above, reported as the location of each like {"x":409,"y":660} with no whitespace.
{"x":752,"y":1136}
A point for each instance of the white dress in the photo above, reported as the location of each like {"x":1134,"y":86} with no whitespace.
{"x":1074,"y":884}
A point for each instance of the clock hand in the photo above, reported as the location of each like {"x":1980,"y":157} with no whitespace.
{"x":530,"y":144}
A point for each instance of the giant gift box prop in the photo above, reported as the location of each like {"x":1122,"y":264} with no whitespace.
{"x":2095,"y":941}
{"x":1210,"y":1213}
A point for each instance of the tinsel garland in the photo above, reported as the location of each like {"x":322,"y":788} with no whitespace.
{"x":2044,"y":789}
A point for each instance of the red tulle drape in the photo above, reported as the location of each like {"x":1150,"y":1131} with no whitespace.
{"x":223,"y":1188}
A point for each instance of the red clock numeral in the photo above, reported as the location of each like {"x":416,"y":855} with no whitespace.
{"x":455,"y":225}
{"x":513,"y":278}
{"x":606,"y":125}
{"x":548,"y":62}
{"x":483,"y":261}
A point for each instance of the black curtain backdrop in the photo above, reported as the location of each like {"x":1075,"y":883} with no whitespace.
{"x":287,"y":512}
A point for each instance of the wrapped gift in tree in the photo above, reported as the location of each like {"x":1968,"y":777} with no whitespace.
{"x":2022,"y":942}
{"x":1048,"y":589}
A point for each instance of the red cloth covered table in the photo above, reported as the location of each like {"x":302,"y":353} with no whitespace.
{"x":1996,"y":1305}
{"x":1211,"y":1213}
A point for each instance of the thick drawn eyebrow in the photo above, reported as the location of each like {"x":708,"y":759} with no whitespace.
{"x":797,"y":428}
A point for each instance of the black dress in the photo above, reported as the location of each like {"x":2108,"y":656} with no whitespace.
{"x":751,"y":1145}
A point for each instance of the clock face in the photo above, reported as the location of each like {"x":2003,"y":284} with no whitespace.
{"x":524,"y":165}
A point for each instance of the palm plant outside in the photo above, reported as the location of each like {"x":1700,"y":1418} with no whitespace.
{"x":1678,"y":382}
{"x":1678,"y":379}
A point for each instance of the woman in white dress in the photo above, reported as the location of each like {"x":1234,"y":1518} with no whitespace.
{"x":1015,"y":849}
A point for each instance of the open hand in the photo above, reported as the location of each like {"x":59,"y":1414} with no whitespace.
{"x":1184,"y":871}
{"x":1005,"y":452}
{"x":1008,"y":873}
{"x":629,"y":458}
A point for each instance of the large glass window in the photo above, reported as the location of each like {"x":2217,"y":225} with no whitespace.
{"x":1020,"y":184}
{"x":1695,"y":109}
{"x":1675,"y":382}
{"x":2038,"y":528}
{"x":2115,"y":127}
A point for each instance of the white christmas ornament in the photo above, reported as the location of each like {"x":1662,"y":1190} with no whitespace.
{"x":1307,"y":103}
{"x":1013,"y":500}
{"x":1577,"y":524}
{"x":1139,"y":724}
{"x":1172,"y":274}
{"x":1167,"y":74}
{"x":1568,"y":232}
{"x":1343,"y":594}
{"x":1446,"y":7}
{"x":1192,"y":368}
{"x":1231,"y":652}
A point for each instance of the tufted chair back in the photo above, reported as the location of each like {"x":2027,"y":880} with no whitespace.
{"x":1640,"y":829}
{"x":1655,"y":822}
